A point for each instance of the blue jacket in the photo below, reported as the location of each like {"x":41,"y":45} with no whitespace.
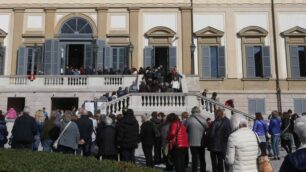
{"x":260,"y":127}
{"x":275,"y":126}
{"x":295,"y":162}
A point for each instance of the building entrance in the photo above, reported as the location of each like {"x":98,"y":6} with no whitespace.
{"x":161,"y":55}
{"x":64,"y":103}
{"x":17,"y":103}
{"x":75,"y":55}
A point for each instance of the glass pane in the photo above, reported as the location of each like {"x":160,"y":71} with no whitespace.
{"x":72,"y":24}
{"x":214,"y":61}
{"x":258,"y":61}
{"x":30,"y":60}
{"x":81,"y":23}
{"x":302,"y":60}
{"x":66,"y":29}
{"x":86,"y":29}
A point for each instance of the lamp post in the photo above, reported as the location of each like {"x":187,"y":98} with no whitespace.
{"x":131,"y":49}
{"x":192,"y":46}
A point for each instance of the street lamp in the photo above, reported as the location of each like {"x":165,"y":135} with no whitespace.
{"x":192,"y":48}
{"x":131,"y":49}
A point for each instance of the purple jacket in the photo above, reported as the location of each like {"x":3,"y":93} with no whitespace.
{"x":260,"y":127}
{"x":275,"y":126}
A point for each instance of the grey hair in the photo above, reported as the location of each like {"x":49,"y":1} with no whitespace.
{"x":26,"y":109}
{"x":196,"y":109}
{"x":108,"y":121}
{"x":238,"y":121}
{"x":300,"y":128}
{"x":144,"y":118}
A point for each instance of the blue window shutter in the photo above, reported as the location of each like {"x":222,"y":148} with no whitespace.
{"x":260,"y":106}
{"x":122,"y":58}
{"x":221,"y":62}
{"x":294,"y":62}
{"x":304,"y":105}
{"x":172,"y":57}
{"x":22,"y":61}
{"x":148,"y":57}
{"x":101,"y":46}
{"x":250,"y":62}
{"x":298,"y":106}
{"x":48,"y":57}
{"x":266,"y":61}
{"x":2,"y":59}
{"x":88,"y":61}
{"x":108,"y":57}
{"x":56,"y":58}
{"x":252,"y":106}
{"x":206,"y":62}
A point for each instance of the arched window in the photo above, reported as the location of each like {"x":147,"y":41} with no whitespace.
{"x":76,"y":25}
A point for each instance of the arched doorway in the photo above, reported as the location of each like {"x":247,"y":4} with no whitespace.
{"x":76,"y":36}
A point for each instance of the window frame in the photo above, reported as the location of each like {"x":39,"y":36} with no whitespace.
{"x":125,"y":58}
{"x":303,"y":102}
{"x":288,"y":58}
{"x":33,"y":60}
{"x":256,"y":110}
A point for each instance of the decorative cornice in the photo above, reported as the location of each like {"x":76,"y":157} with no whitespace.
{"x":160,"y":31}
{"x":209,"y":32}
{"x":252,"y":31}
{"x":294,"y":32}
{"x":2,"y":33}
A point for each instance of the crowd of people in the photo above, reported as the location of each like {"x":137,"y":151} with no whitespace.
{"x":232,"y":144}
{"x":69,"y":70}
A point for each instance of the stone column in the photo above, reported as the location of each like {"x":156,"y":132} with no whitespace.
{"x":102,"y":22}
{"x":134,"y":35}
{"x":17,"y":36}
{"x":186,"y":39}
{"x":50,"y":23}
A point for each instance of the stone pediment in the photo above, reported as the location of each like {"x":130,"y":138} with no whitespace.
{"x":209,"y":32}
{"x":160,"y":31}
{"x":253,"y":31}
{"x":2,"y":34}
{"x":294,"y":32}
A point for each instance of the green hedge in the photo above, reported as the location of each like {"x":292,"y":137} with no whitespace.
{"x":22,"y":160}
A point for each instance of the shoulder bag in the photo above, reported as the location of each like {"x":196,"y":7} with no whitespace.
{"x":204,"y":138}
{"x":55,"y":144}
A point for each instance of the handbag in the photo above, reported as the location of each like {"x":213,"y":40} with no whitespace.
{"x":204,"y":138}
{"x":285,"y":135}
{"x":55,"y":144}
{"x":263,"y":162}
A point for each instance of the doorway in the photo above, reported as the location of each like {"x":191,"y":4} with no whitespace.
{"x":64,"y":103}
{"x":161,"y":55}
{"x":17,"y":103}
{"x":75,"y":55}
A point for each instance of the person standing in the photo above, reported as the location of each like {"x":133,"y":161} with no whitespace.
{"x":287,"y":132}
{"x":69,"y":135}
{"x":217,"y":140}
{"x":196,"y":126}
{"x":24,"y":130}
{"x":3,"y":131}
{"x":106,"y":140}
{"x":147,"y":138}
{"x":178,"y":142}
{"x":86,"y":129}
{"x":260,"y":128}
{"x":242,"y":146}
{"x":40,"y":119}
{"x":45,"y":113}
{"x":296,"y":161}
{"x":128,"y":136}
{"x":157,"y":124}
{"x":50,"y":132}
{"x":275,"y":131}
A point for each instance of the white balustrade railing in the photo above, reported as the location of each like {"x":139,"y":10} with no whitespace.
{"x":18,"y":80}
{"x":113,"y":80}
{"x":54,"y":80}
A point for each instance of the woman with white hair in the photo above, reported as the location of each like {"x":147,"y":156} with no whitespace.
{"x":242,"y":146}
{"x":296,"y":161}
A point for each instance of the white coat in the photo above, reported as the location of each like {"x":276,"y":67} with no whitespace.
{"x":242,"y":151}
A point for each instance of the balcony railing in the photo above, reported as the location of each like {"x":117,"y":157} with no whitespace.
{"x":96,"y":82}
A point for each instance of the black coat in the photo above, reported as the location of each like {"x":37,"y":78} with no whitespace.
{"x":106,"y":140}
{"x":85,"y":127}
{"x":24,"y":129}
{"x":147,"y":133}
{"x":3,"y":132}
{"x":295,"y":162}
{"x":128,"y":132}
{"x":218,"y":135}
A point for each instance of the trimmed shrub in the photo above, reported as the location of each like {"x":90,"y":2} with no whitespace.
{"x":22,"y":160}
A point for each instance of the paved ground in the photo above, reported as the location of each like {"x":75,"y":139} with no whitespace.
{"x":275,"y":163}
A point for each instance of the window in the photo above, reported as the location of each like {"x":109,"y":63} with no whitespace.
{"x":213,"y":62}
{"x":298,"y":61}
{"x":34,"y":63}
{"x":76,"y":26}
{"x":256,"y":105}
{"x":299,"y":105}
{"x":2,"y":59}
{"x":120,"y":58}
{"x":258,"y":61}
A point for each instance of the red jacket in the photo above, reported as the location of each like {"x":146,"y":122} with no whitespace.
{"x":177,"y":129}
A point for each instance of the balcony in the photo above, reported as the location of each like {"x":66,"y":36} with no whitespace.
{"x":99,"y":83}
